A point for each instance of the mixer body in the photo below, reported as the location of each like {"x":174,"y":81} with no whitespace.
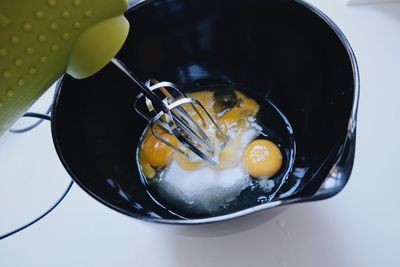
{"x":40,"y":40}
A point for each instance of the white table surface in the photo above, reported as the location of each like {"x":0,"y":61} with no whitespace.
{"x":358,"y":227}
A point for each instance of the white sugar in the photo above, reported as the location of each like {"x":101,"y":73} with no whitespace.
{"x":206,"y":189}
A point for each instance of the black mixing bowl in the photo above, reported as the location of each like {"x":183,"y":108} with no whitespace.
{"x":284,"y":50}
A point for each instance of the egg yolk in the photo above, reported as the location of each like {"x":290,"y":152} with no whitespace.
{"x":228,"y":158}
{"x":206,"y":99}
{"x":233,"y":123}
{"x":148,"y":171}
{"x":155,"y":152}
{"x":249,"y":107}
{"x":188,"y":164}
{"x":262,"y":158}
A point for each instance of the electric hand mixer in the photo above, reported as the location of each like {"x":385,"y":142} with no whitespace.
{"x":40,"y":40}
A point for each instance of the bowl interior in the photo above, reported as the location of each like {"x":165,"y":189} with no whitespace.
{"x":279,"y":49}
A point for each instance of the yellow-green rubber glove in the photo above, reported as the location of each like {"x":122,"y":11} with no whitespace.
{"x":42,"y":39}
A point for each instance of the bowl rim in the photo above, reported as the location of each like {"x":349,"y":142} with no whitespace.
{"x":273,"y":204}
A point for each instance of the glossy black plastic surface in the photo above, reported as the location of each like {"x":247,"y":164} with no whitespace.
{"x":280,"y":49}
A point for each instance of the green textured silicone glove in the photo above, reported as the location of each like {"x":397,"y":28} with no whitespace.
{"x":42,"y":39}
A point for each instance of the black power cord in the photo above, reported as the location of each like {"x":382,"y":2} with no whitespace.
{"x":41,"y":216}
{"x":41,"y":117}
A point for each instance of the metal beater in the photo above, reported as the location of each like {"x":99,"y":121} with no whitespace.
{"x":163,"y":105}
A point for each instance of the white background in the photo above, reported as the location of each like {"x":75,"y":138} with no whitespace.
{"x":358,"y":227}
{"x":370,"y":1}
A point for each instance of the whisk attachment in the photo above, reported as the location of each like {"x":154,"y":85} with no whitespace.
{"x":165,"y":107}
{"x":187,"y":120}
